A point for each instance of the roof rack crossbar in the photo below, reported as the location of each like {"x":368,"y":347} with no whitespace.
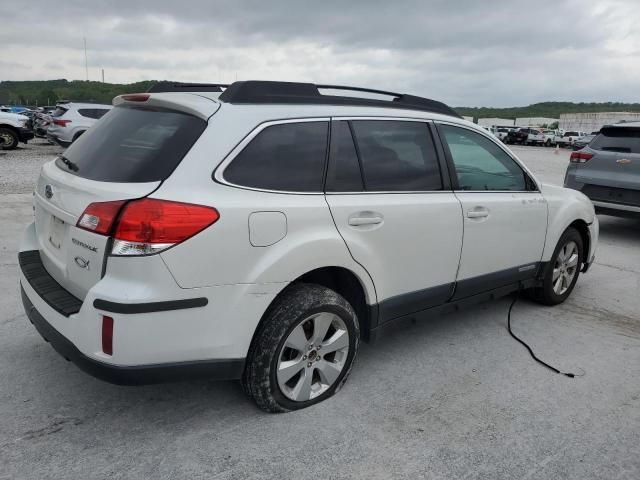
{"x":282,"y":93}
{"x":163,"y":86}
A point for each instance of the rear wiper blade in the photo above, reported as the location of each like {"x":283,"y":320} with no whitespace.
{"x":70,"y":165}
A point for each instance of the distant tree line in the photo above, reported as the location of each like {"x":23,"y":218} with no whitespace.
{"x":51,"y":91}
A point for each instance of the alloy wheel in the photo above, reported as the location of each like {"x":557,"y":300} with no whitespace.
{"x":312,"y":357}
{"x":565,"y":267}
{"x":5,"y":139}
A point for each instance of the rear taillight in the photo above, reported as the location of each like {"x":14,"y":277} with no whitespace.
{"x":149,"y":225}
{"x":61,"y":123}
{"x":99,"y":217}
{"x":580,"y":157}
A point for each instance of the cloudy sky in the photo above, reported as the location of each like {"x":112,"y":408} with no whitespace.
{"x":464,"y":52}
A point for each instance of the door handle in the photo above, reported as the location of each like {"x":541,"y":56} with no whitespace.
{"x":365,"y":218}
{"x":478,"y":212}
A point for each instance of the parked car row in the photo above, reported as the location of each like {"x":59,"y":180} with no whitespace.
{"x":541,"y":137}
{"x":61,"y":124}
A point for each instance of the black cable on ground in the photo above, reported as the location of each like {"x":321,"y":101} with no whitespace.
{"x":533,"y":355}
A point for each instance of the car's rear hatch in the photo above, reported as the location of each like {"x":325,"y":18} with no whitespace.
{"x":612,"y":174}
{"x":126,"y":155}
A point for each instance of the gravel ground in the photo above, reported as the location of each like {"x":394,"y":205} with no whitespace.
{"x":20,"y":167}
{"x":451,"y":398}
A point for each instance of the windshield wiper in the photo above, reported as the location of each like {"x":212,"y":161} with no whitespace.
{"x":70,"y":165}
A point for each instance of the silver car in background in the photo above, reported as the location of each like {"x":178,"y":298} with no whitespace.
{"x":70,"y":120}
{"x":608,"y":170}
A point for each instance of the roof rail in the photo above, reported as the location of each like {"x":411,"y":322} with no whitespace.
{"x":186,"y":87}
{"x":269,"y":92}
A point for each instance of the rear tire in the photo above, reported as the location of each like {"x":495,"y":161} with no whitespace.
{"x":563,"y":270}
{"x":303,"y":350}
{"x":8,"y":139}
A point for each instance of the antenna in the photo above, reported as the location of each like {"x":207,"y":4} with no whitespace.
{"x":86,"y":65}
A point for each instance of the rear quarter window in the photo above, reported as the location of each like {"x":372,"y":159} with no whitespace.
{"x":95,"y":113}
{"x":285,"y":157}
{"x":133,"y":144}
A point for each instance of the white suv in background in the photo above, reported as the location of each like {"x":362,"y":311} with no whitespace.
{"x":70,"y":120}
{"x":260,"y":233}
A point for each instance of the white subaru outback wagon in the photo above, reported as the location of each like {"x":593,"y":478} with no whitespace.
{"x":258,"y":231}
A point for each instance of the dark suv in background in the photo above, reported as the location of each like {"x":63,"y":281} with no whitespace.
{"x":608,"y":170}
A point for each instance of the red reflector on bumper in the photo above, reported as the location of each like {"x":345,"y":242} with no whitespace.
{"x":107,"y":335}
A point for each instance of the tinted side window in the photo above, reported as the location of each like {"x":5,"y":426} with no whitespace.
{"x":343,"y":174}
{"x":397,"y":156}
{"x":99,"y":112}
{"x":480,"y":164}
{"x":92,"y":112}
{"x":287,"y":157}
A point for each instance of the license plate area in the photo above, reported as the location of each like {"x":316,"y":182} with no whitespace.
{"x":56,"y":232}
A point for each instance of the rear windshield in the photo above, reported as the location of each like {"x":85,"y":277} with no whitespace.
{"x":621,"y":139}
{"x":133,"y":144}
{"x":59,"y":111}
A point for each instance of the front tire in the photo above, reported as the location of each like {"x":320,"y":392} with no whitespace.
{"x":8,"y":139}
{"x":303,"y":350}
{"x":561,"y":273}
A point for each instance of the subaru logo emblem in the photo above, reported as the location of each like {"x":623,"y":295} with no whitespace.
{"x":48,"y":191}
{"x":81,"y":262}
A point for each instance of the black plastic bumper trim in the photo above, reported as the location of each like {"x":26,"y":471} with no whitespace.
{"x":24,"y":134}
{"x":45,"y":286}
{"x":150,"y":307}
{"x":225,"y":369}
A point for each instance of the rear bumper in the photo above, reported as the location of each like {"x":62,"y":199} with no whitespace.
{"x":616,"y":209}
{"x":25,"y":134}
{"x":226,"y":369}
{"x":161,"y":331}
{"x":54,"y":139}
{"x":608,"y":200}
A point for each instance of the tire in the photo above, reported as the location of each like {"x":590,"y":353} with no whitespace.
{"x":548,"y":294}
{"x":300,"y":310}
{"x":547,"y":143}
{"x":8,"y":139}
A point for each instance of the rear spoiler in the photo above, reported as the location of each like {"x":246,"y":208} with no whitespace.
{"x":161,"y":87}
